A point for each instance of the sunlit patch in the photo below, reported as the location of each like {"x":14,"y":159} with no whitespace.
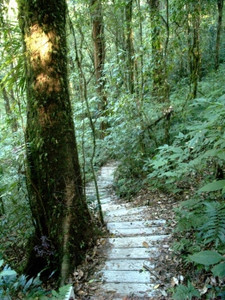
{"x":39,"y":46}
{"x":12,"y":10}
{"x":46,"y":83}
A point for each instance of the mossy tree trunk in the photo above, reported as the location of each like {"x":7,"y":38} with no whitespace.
{"x":99,"y":58}
{"x":193,"y":23}
{"x":61,"y":217}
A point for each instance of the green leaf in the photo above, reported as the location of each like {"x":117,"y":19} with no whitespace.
{"x":213,"y":186}
{"x":221,"y":155}
{"x":219,"y":270}
{"x":159,"y":163}
{"x":8,"y":273}
{"x":186,"y":292}
{"x":206,"y":258}
{"x":1,"y":262}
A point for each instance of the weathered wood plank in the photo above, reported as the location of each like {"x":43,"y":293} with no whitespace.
{"x":136,"y":242}
{"x":135,"y":224}
{"x":126,"y":276}
{"x":127,"y":264}
{"x":134,"y":253}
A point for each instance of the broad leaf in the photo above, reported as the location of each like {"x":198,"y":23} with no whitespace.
{"x":8,"y":273}
{"x":219,"y":270}
{"x":213,"y":186}
{"x":206,"y":258}
{"x":186,"y":292}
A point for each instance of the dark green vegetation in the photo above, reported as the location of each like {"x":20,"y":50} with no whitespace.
{"x":146,"y":84}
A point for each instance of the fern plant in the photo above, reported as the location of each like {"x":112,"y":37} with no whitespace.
{"x":213,"y":230}
{"x":189,"y":215}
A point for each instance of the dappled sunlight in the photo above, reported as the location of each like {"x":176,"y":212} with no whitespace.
{"x":40,"y":46}
{"x":45,"y":82}
{"x":12,"y":10}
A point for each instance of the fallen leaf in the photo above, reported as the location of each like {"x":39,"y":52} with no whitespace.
{"x":81,"y":293}
{"x":145,"y":244}
{"x":164,"y":293}
{"x":156,"y":286}
{"x":174,"y":281}
{"x":81,"y":274}
{"x":204,"y":290}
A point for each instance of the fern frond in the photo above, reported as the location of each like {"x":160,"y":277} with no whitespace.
{"x":213,"y":230}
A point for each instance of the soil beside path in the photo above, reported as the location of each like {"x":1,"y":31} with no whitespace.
{"x":132,"y":256}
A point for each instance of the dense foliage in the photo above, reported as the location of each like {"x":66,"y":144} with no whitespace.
{"x":174,"y":142}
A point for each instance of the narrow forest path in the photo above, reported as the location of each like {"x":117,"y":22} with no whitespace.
{"x":133,"y":242}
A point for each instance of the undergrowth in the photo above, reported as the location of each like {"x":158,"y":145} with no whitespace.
{"x":14,"y":286}
{"x":191,"y":164}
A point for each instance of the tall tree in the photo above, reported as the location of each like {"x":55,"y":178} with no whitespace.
{"x":141,"y":85}
{"x":194,"y":13}
{"x":7,"y":57}
{"x":159,"y":73}
{"x":99,"y":56}
{"x":219,"y":29}
{"x":129,"y":45}
{"x":61,"y":217}
{"x":7,"y":104}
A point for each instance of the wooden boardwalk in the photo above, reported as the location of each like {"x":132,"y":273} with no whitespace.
{"x":133,"y":241}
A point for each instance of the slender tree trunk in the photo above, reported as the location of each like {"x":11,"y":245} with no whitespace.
{"x":99,"y":57}
{"x":8,"y":110}
{"x":194,"y":46}
{"x":120,"y":44}
{"x":160,"y":86}
{"x":54,"y":182}
{"x":9,"y":99}
{"x":167,"y":30}
{"x":219,"y":29}
{"x":84,"y":95}
{"x":159,"y":80}
{"x":141,"y":87}
{"x":129,"y":45}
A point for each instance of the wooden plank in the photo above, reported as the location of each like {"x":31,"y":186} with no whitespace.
{"x":126,"y":276}
{"x":135,"y":242}
{"x":137,"y":289}
{"x":112,"y":206}
{"x":132,"y":253}
{"x":137,"y":231}
{"x":127,"y":264}
{"x":135,"y":224}
{"x":126,"y":211}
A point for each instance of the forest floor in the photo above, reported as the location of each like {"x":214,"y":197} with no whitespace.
{"x":133,"y":259}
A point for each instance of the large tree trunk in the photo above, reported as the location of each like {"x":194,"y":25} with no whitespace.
{"x":219,"y":29}
{"x":61,"y":217}
{"x":99,"y":57}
